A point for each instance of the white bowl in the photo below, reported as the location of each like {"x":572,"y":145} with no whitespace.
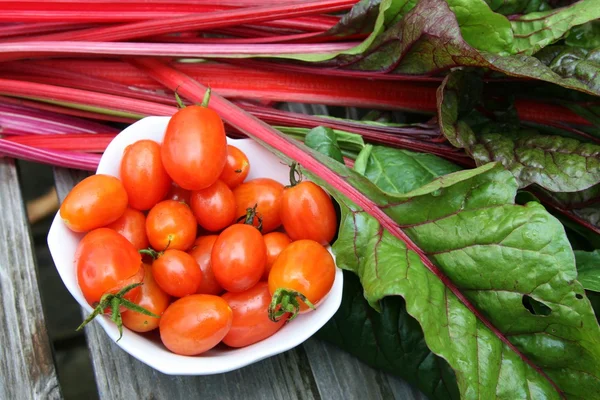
{"x":148,"y":349}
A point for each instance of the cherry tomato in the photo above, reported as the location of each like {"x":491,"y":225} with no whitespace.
{"x":213,"y":207}
{"x":194,"y":149}
{"x":132,"y":225}
{"x":96,"y":201}
{"x":178,"y":194}
{"x":171,"y":225}
{"x":264,"y":192}
{"x":153,"y":299}
{"x":238,"y":257}
{"x":251,"y":322}
{"x":143,"y":175}
{"x":106,"y":262}
{"x":195,"y":324}
{"x":177,"y":273}
{"x":275,"y":242}
{"x":307,"y":213}
{"x":305,"y":267}
{"x":201,"y":252}
{"x":236,"y":168}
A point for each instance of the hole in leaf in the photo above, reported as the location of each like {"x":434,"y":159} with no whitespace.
{"x":535,"y":307}
{"x":578,"y":296}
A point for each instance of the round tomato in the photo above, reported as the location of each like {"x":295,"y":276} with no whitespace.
{"x":132,"y":225}
{"x":236,"y":167}
{"x":213,"y":207}
{"x":194,"y":149}
{"x":251,"y":321}
{"x":307,"y":213}
{"x":106,"y":262}
{"x":195,"y":324}
{"x":153,"y":299}
{"x":238,"y":258}
{"x":96,"y":201}
{"x":177,"y":273}
{"x":143,"y":175}
{"x":178,"y":194}
{"x":201,"y":252}
{"x":266,"y":194}
{"x":275,"y":242}
{"x":303,"y":269}
{"x":171,"y":225}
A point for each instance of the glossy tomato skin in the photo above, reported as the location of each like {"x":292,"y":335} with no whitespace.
{"x":213,"y":207}
{"x":194,"y":149}
{"x":171,"y":224}
{"x":153,"y":299}
{"x":178,"y":194}
{"x":106,"y":262}
{"x":275,"y":242}
{"x":177,"y":273}
{"x":307,"y":213}
{"x":195,"y":324}
{"x":132,"y":225}
{"x":143,"y":175}
{"x":236,"y":167}
{"x":264,"y":192}
{"x":201,"y":252}
{"x":238,"y":257}
{"x":251,"y":322}
{"x":96,"y":201}
{"x":306,"y":267}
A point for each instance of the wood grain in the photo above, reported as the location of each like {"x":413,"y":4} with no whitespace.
{"x":27,"y":368}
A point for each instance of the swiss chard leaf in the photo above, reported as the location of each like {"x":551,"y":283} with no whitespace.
{"x":588,"y":269}
{"x":324,"y":140}
{"x":586,"y":36}
{"x":510,"y":7}
{"x":573,"y":63}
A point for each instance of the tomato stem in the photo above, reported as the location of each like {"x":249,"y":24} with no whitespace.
{"x":249,"y":217}
{"x":206,"y":98}
{"x":286,"y":301}
{"x":150,"y":252}
{"x":295,"y":174}
{"x":179,"y":101}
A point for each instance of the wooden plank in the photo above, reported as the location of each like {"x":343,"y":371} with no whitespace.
{"x":27,"y":369}
{"x":315,"y":370}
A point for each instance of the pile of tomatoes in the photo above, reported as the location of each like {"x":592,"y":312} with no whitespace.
{"x":181,"y":243}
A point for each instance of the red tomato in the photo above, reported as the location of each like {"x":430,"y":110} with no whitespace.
{"x":132,"y":225}
{"x":305,"y":267}
{"x":106,"y":262}
{"x":178,"y":194}
{"x":236,"y":168}
{"x":307,"y":213}
{"x":194,"y":149}
{"x":172,"y":225}
{"x":264,"y":192}
{"x":153,"y":299}
{"x":195,"y":324}
{"x":201,"y":252}
{"x":96,"y":201}
{"x":143,"y":175}
{"x":177,"y":273}
{"x":214,"y":207}
{"x":275,"y":242}
{"x":238,"y":257}
{"x":251,"y":321}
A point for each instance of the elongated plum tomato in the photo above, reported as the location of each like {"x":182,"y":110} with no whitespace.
{"x":171,"y":225}
{"x":194,"y":149}
{"x":143,"y":175}
{"x":251,"y":322}
{"x":195,"y":324}
{"x":177,"y":273}
{"x":213,"y":207}
{"x":96,"y":201}
{"x":238,"y":257}
{"x":266,"y":194}
{"x":132,"y":225}
{"x":275,"y":242}
{"x":236,"y":168}
{"x":153,"y":299}
{"x":307,"y":213}
{"x":201,"y":252}
{"x":106,"y":262}
{"x":305,"y":267}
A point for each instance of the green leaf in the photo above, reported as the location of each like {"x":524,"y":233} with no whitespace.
{"x":588,"y":269}
{"x":573,"y":63}
{"x":324,"y":141}
{"x":349,"y":143}
{"x":510,"y":7}
{"x":586,"y":36}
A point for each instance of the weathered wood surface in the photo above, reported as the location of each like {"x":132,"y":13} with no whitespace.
{"x":314,"y":370}
{"x":27,"y":368}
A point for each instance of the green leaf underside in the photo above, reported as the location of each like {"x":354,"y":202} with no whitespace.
{"x":588,"y":269}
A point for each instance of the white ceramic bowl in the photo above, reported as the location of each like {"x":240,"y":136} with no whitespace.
{"x":148,"y":349}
